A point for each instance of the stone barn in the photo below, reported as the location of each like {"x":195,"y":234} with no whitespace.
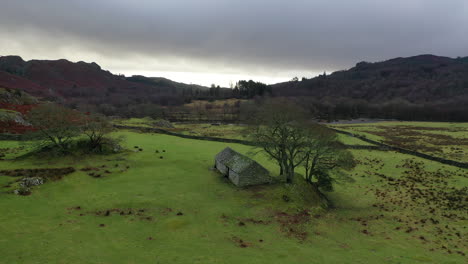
{"x":241,"y":170}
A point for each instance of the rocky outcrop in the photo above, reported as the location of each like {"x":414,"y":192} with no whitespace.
{"x":31,"y":181}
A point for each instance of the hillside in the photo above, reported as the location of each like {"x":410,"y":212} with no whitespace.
{"x":86,"y":83}
{"x":14,"y":104}
{"x":435,"y":85}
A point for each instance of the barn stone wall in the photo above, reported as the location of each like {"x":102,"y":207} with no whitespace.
{"x":234,"y":177}
{"x":254,"y":178}
{"x":221,"y":167}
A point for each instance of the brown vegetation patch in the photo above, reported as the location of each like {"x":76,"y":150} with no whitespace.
{"x":418,"y":139}
{"x":96,"y":172}
{"x":240,"y":242}
{"x":430,"y":194}
{"x":255,"y":221}
{"x":293,"y":224}
{"x":139,"y":213}
{"x":51,"y":174}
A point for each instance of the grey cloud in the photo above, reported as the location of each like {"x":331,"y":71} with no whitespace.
{"x":270,"y":35}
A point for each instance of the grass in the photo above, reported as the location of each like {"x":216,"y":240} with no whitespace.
{"x":46,"y":227}
{"x":206,"y":129}
{"x":446,"y":140}
{"x":140,"y":122}
{"x":231,"y":131}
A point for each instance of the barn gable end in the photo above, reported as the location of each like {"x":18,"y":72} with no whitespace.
{"x":241,"y":170}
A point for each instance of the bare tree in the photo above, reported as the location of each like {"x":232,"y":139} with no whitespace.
{"x":55,"y":124}
{"x":96,"y":127}
{"x":282,"y":130}
{"x":324,"y":159}
{"x":276,"y":128}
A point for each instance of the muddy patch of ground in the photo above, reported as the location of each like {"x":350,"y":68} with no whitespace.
{"x":293,"y":224}
{"x":50,"y":174}
{"x":98,"y":172}
{"x":420,"y":201}
{"x":140,"y":214}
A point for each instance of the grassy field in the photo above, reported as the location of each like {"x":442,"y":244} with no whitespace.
{"x":446,"y":140}
{"x":217,"y":130}
{"x":171,"y":207}
{"x":231,"y":131}
{"x":198,"y":129}
{"x":139,"y":122}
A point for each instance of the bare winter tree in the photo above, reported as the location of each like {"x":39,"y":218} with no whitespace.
{"x":277,"y":128}
{"x":324,"y":159}
{"x":284,"y":133}
{"x":55,"y":124}
{"x":96,"y":127}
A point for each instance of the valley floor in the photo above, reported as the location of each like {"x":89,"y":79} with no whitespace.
{"x":165,"y":204}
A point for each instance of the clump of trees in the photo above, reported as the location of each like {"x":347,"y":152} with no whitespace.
{"x":61,"y":128}
{"x":282,"y":129}
{"x":250,"y":89}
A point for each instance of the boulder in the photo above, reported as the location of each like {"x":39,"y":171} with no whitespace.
{"x":163,"y":123}
{"x":22,"y":191}
{"x":31,"y":181}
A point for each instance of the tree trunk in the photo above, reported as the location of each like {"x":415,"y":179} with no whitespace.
{"x":290,"y":174}
{"x":287,"y":171}
{"x":324,"y":201}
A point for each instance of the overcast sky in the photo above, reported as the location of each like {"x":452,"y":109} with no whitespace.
{"x":218,"y":41}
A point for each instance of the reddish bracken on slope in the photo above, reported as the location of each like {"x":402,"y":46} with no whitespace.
{"x":60,"y":77}
{"x":11,"y":81}
{"x":23,"y":109}
{"x":11,"y":127}
{"x":63,"y":73}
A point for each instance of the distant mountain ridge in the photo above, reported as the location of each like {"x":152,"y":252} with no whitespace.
{"x":418,"y":79}
{"x":68,"y":80}
{"x":424,"y":87}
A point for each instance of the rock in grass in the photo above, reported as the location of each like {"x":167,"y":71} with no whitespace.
{"x":163,"y":123}
{"x":22,"y":191}
{"x":31,"y":181}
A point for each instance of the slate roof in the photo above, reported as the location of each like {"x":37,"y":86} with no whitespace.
{"x":238,"y":162}
{"x":225,"y":155}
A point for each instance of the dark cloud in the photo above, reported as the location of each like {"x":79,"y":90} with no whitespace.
{"x":232,"y":35}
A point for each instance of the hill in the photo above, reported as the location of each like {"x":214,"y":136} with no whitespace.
{"x":419,"y":87}
{"x":84,"y":83}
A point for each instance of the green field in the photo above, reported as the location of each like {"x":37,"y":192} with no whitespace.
{"x":176,"y":209}
{"x":446,"y":140}
{"x":231,"y":131}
